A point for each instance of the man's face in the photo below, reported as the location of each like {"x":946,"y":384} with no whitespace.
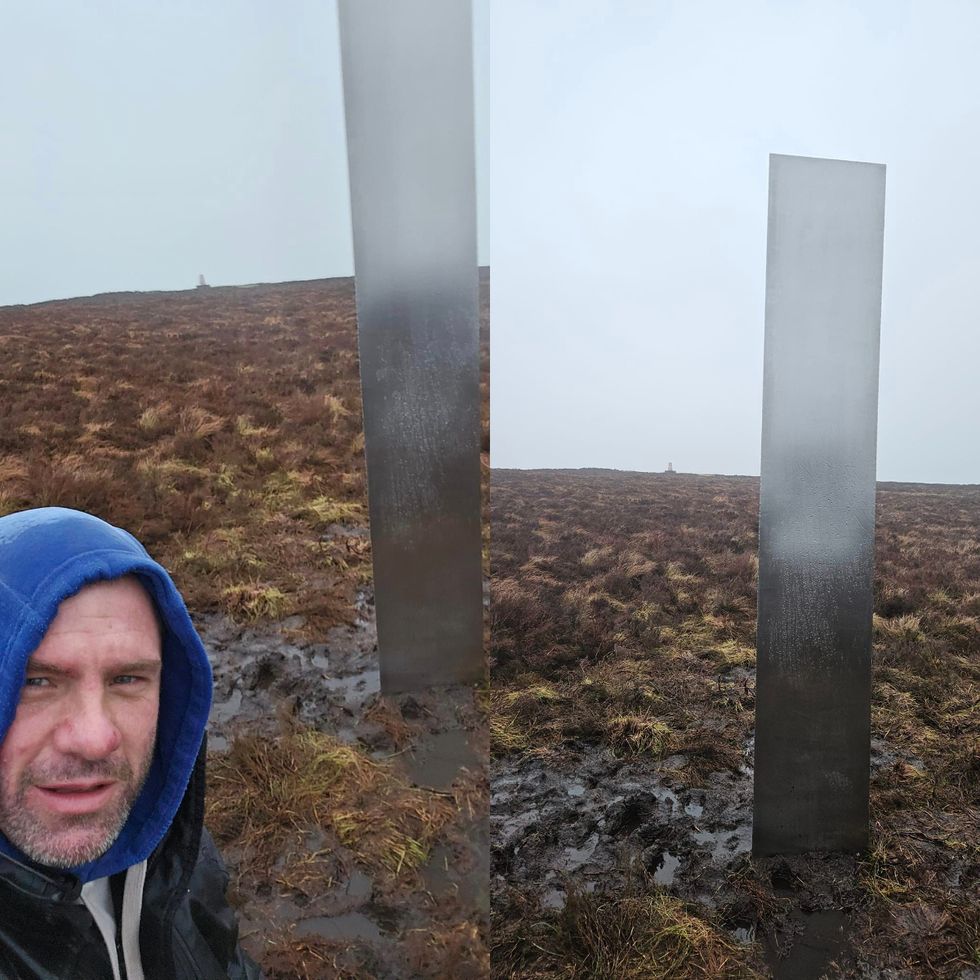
{"x":81,"y":743}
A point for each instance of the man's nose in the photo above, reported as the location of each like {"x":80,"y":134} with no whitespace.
{"x":88,"y":730}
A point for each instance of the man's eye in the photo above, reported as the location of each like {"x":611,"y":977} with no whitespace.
{"x":126,"y":679}
{"x":36,"y":681}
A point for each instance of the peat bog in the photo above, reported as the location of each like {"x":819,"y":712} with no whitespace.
{"x":222,"y":426}
{"x":622,"y":713}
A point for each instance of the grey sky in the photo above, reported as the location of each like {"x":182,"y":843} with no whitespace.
{"x":629,"y":163}
{"x":144,"y":143}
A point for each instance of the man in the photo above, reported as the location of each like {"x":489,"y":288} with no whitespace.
{"x":106,"y":871}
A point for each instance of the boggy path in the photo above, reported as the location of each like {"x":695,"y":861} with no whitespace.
{"x":365,"y":920}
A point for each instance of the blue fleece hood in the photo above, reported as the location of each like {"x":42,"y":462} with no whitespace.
{"x":49,"y":554}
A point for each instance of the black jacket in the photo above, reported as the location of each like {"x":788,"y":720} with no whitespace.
{"x":187,"y":929}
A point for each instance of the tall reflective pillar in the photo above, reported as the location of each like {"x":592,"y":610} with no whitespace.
{"x":408,"y":91}
{"x":817,"y":504}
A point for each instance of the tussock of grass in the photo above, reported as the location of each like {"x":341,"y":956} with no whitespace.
{"x":198,"y":422}
{"x":635,"y":936}
{"x":165,"y":472}
{"x":639,"y":735}
{"x":335,"y":408}
{"x":267,"y":795}
{"x":8,"y":503}
{"x":153,"y":418}
{"x":708,"y":752}
{"x":245,"y":428}
{"x":731,"y":653}
{"x":325,"y":510}
{"x":885,"y":868}
{"x":596,"y":557}
{"x":251,"y":601}
{"x":506,"y":735}
{"x":609,"y":703}
{"x":901,"y":629}
{"x":507,"y":715}
{"x":537,"y":692}
{"x":676,"y":575}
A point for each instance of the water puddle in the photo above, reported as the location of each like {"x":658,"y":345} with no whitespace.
{"x":359,"y":887}
{"x":553,"y":898}
{"x":823,"y":939}
{"x":439,"y":758}
{"x":356,"y":688}
{"x":575,"y":857}
{"x":665,"y":795}
{"x":352,"y":927}
{"x":224,"y":711}
{"x":725,"y":844}
{"x":666,"y":869}
{"x":442,"y":877}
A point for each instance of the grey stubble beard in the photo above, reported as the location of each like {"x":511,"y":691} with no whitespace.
{"x":27,"y":833}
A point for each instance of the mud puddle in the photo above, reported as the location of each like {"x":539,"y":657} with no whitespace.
{"x":611,"y":814}
{"x":437,"y":758}
{"x":261,"y":676}
{"x":265,"y":679}
{"x":821,"y":940}
{"x":586,"y":819}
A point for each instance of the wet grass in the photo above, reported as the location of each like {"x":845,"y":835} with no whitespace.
{"x":644,"y":934}
{"x":267,"y":798}
{"x":623,"y":607}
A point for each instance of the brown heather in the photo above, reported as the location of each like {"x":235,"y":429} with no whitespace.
{"x":221,"y":426}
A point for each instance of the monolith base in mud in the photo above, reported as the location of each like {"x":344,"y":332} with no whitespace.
{"x":817,"y":506}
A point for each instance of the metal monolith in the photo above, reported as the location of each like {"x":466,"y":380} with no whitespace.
{"x":408,"y":90}
{"x":817,"y":504}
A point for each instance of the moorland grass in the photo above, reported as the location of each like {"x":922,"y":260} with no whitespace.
{"x":633,"y":596}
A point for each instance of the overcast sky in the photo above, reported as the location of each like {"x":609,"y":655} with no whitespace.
{"x":622,"y":155}
{"x":145,"y":143}
{"x":629,"y":183}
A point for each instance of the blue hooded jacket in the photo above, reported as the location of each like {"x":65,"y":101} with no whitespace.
{"x":49,"y":554}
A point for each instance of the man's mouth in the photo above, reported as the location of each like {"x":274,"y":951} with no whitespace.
{"x":76,"y":787}
{"x":79,"y":797}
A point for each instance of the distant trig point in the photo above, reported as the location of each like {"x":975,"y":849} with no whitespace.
{"x":817,"y":505}
{"x":200,"y":281}
{"x":670,"y":468}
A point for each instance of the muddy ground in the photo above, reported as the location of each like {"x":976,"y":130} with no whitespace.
{"x":433,"y":920}
{"x":587,"y":819}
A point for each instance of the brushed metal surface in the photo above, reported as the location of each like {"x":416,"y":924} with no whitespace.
{"x":817,"y":504}
{"x":408,"y":92}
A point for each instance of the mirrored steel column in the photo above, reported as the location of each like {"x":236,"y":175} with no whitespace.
{"x":817,"y":508}
{"x":408,"y":90}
